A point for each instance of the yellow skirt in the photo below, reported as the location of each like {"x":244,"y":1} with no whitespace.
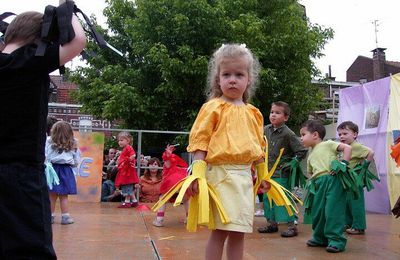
{"x":234,"y":185}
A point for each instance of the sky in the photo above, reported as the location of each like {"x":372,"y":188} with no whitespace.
{"x":351,"y":20}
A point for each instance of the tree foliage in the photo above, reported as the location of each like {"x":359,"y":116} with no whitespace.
{"x":160,"y":82}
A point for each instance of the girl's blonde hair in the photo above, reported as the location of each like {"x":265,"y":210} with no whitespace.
{"x":229,"y":51}
{"x":62,"y":137}
{"x":125,"y":135}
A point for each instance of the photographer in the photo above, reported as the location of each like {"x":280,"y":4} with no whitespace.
{"x":25,"y":228}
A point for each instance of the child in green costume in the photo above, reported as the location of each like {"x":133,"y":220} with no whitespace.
{"x":280,"y":136}
{"x":329,"y":195}
{"x":361,"y":156}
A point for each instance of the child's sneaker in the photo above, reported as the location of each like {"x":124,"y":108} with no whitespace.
{"x":52,"y":219}
{"x":125,"y":205}
{"x":259,"y":213}
{"x":271,"y":228}
{"x":65,"y":220}
{"x":134,"y":204}
{"x":290,"y":232}
{"x":353,"y":231}
{"x":158,"y":223}
{"x":333,"y":249}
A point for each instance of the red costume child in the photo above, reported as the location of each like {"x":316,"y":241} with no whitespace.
{"x":126,"y":176}
{"x":126,"y":168}
{"x":174,"y":170}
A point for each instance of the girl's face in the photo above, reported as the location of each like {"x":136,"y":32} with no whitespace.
{"x":347,"y":136}
{"x":122,"y":142}
{"x":233,"y":78}
{"x":153,"y":167}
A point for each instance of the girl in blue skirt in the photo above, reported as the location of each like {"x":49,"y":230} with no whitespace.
{"x":62,"y":152}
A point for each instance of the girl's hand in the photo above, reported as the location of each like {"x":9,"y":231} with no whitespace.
{"x":137,"y":186}
{"x":193,"y":189}
{"x":170,"y":148}
{"x":265,"y":186}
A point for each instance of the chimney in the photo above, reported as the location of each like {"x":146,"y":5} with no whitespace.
{"x":378,"y":60}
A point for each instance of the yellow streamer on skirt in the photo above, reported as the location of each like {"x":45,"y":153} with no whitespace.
{"x":200,"y":209}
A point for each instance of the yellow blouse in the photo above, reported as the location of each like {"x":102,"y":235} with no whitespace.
{"x":230,"y":134}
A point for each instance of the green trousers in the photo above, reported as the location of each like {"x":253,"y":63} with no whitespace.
{"x":328,"y":212}
{"x":355,"y":211}
{"x":275,"y":213}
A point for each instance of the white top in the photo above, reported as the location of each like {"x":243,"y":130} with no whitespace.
{"x":54,"y":156}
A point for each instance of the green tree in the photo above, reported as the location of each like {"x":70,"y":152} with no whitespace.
{"x":159,"y":83}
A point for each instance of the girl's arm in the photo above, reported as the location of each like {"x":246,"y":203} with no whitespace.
{"x":199,"y":155}
{"x":194,"y":186}
{"x":346,"y":149}
{"x":72,"y":49}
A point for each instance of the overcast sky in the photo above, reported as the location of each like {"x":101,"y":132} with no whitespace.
{"x":352,"y":21}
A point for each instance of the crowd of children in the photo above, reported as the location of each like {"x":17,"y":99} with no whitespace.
{"x":226,"y":150}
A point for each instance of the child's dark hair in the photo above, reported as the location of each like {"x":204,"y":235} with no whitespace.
{"x":348,"y":125}
{"x":284,"y":105}
{"x":229,"y":51}
{"x":315,"y":126}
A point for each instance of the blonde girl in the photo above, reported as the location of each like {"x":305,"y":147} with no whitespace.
{"x":62,"y":152}
{"x":226,"y":139}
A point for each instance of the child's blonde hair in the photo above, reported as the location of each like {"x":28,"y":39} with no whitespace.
{"x":62,"y":137}
{"x":125,"y":135}
{"x":228,"y":51}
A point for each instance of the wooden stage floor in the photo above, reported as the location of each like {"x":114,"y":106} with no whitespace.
{"x":102,"y":231}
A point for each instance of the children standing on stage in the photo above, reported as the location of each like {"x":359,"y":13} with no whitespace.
{"x":127,"y":176}
{"x":62,"y":152}
{"x":329,"y":201}
{"x":360,"y":154}
{"x":226,"y":139}
{"x":280,"y":136}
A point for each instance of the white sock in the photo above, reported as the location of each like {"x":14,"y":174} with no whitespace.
{"x":65,"y":214}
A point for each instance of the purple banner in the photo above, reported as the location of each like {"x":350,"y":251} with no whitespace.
{"x":367,"y":106}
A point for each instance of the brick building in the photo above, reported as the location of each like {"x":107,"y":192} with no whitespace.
{"x":366,"y":69}
{"x":63,"y":107}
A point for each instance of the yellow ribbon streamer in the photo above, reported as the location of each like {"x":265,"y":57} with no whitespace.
{"x":277,"y":194}
{"x":200,"y":205}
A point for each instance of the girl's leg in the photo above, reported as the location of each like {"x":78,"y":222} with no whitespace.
{"x":134,"y":201}
{"x":158,"y":222}
{"x":65,"y":217}
{"x":186,"y":206}
{"x":64,"y":203}
{"x":235,"y":245}
{"x":53,"y":199}
{"x":128,"y":199}
{"x":215,"y":244}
